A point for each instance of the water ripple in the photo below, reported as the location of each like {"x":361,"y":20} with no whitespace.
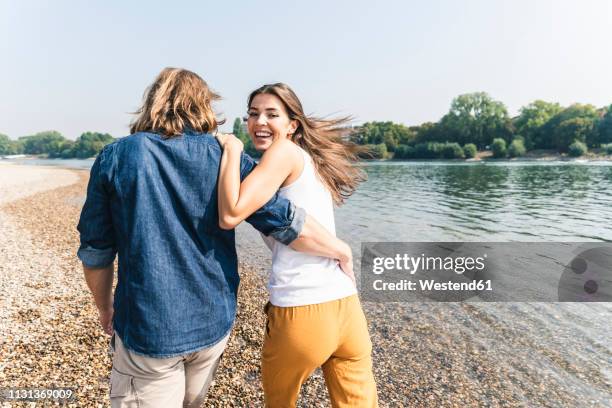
{"x":489,"y":202}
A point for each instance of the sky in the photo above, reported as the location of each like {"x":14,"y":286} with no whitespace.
{"x":76,"y":66}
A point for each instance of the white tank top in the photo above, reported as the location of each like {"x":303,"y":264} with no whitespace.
{"x":296,"y":278}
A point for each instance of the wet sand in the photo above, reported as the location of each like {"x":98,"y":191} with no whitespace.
{"x":425,"y":355}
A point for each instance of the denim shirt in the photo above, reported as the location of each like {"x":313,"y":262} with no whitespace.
{"x":154,"y":202}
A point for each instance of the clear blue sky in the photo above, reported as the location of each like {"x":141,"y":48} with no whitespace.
{"x":77,"y":66}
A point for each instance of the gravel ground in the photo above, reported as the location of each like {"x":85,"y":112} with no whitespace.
{"x":424,"y":355}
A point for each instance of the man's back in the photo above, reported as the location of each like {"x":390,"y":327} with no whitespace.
{"x":154,"y":201}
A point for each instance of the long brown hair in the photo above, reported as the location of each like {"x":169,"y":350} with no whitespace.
{"x":333,"y":154}
{"x":176,"y":100}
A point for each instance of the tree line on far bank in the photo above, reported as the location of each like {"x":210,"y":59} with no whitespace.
{"x":55,"y":145}
{"x":475,"y":122}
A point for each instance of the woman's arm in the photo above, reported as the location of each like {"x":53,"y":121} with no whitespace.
{"x":236,"y":201}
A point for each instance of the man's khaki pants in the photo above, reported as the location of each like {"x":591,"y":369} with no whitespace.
{"x":142,"y":382}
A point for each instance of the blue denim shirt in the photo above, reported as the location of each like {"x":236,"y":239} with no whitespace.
{"x":154,"y":202}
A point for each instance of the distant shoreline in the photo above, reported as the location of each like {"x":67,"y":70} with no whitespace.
{"x":532,"y":156}
{"x":481,"y":156}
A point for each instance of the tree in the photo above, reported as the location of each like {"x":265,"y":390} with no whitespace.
{"x":574,"y":122}
{"x":390,"y":141}
{"x":88,"y":144}
{"x":470,"y":150}
{"x":16,"y":147}
{"x":452,"y":151}
{"x":431,"y":150}
{"x":405,"y":135}
{"x":238,"y":129}
{"x":377,"y":151}
{"x":404,"y":152}
{"x":48,"y":142}
{"x":605,"y":127}
{"x":56,"y":148}
{"x":429,"y":132}
{"x":570,"y":130}
{"x":240,"y":132}
{"x":607,"y":148}
{"x":389,"y":133}
{"x":498,"y":147}
{"x":577,"y":149}
{"x":5,"y":145}
{"x":67,"y":153}
{"x":531,"y":119}
{"x":517,"y":148}
{"x":476,"y":118}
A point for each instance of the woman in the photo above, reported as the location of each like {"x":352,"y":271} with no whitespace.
{"x":314,"y":315}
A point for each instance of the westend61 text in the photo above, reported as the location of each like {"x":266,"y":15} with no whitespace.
{"x":429,"y":285}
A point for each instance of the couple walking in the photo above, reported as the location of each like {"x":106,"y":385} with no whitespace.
{"x":167,"y":198}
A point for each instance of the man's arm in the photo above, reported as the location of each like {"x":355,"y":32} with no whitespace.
{"x":98,"y":248}
{"x":279,"y":218}
{"x":100,"y":283}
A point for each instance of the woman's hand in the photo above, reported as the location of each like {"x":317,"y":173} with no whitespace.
{"x":347,"y":268}
{"x":230,"y":142}
{"x":346,"y":262}
{"x":315,"y":239}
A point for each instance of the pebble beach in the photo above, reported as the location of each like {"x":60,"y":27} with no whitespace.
{"x":425,"y":355}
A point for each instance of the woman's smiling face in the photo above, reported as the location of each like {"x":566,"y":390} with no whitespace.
{"x":268,"y":120}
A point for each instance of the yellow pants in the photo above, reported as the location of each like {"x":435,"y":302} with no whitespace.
{"x":333,"y":336}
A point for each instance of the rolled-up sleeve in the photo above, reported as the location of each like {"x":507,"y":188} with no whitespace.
{"x":98,"y":247}
{"x":279,"y":217}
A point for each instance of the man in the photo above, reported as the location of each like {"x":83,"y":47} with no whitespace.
{"x":152,"y":198}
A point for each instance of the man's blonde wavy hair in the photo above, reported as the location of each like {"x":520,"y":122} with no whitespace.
{"x":177,"y":99}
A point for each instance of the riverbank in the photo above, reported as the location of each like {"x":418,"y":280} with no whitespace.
{"x":530,"y":156}
{"x":546,"y":155}
{"x":425,"y":355}
{"x":481,"y":156}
